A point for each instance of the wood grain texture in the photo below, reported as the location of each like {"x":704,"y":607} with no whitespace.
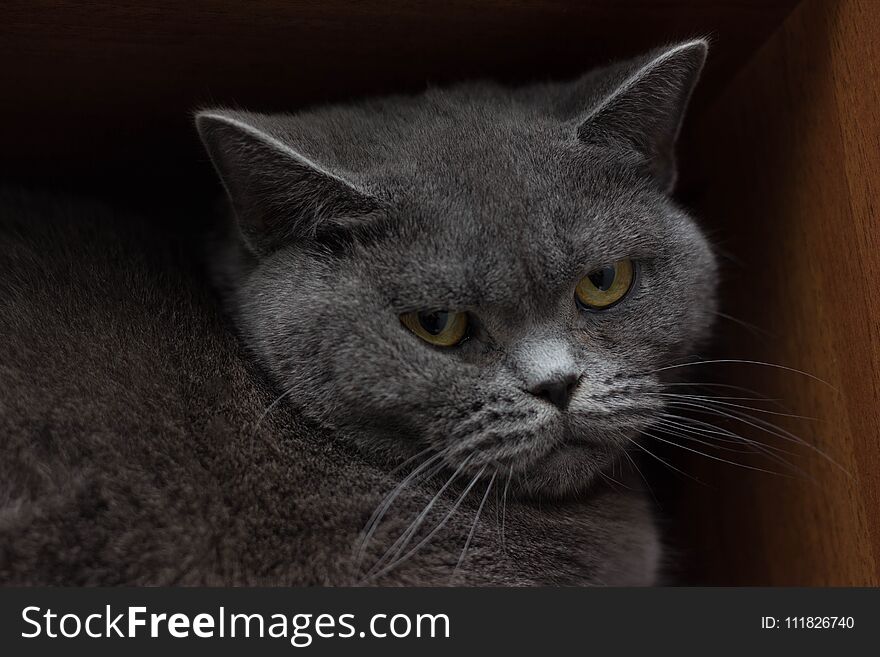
{"x":94,"y":90}
{"x":790,"y":161}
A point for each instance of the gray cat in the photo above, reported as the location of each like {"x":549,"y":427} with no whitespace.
{"x":460,"y":300}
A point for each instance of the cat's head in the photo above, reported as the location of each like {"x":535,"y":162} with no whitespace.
{"x":490,"y":274}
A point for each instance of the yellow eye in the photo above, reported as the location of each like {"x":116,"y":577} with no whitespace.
{"x":437,"y":327}
{"x":605,"y":286}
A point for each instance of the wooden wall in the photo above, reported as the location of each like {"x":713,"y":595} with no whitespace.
{"x":789,"y":159}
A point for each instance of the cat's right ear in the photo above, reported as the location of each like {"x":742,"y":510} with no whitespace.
{"x":644,"y":112}
{"x":278,"y":195}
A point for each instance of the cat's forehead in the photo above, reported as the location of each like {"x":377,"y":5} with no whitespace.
{"x":477,"y":149}
{"x":485,"y":187}
{"x":441,"y":132}
{"x":476,"y":249}
{"x":486,"y":164}
{"x":574,"y":199}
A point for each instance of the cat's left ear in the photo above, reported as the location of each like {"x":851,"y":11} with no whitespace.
{"x":644,"y":112}
{"x":278,"y":194}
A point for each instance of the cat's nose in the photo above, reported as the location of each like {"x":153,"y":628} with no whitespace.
{"x":557,"y":391}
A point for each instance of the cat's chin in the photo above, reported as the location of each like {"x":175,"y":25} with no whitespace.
{"x":567,"y":471}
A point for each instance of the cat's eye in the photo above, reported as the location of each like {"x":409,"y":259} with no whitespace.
{"x":437,"y":327}
{"x":605,"y":286}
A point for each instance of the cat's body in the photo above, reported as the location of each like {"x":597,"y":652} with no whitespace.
{"x":464,"y":297}
{"x":130,"y":455}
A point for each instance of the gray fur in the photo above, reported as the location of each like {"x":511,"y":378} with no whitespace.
{"x":131,"y":452}
{"x":137,"y":445}
{"x":476,"y":199}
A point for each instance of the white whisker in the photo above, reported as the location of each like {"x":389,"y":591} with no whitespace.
{"x":504,"y":509}
{"x":714,"y":458}
{"x":632,"y":462}
{"x":774,"y":453}
{"x":668,"y":465}
{"x":403,"y":540}
{"x":265,"y":413}
{"x":761,"y":425}
{"x":433,"y":532}
{"x":374,"y":521}
{"x":470,"y":535}
{"x":720,"y":402}
{"x":745,"y":362}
